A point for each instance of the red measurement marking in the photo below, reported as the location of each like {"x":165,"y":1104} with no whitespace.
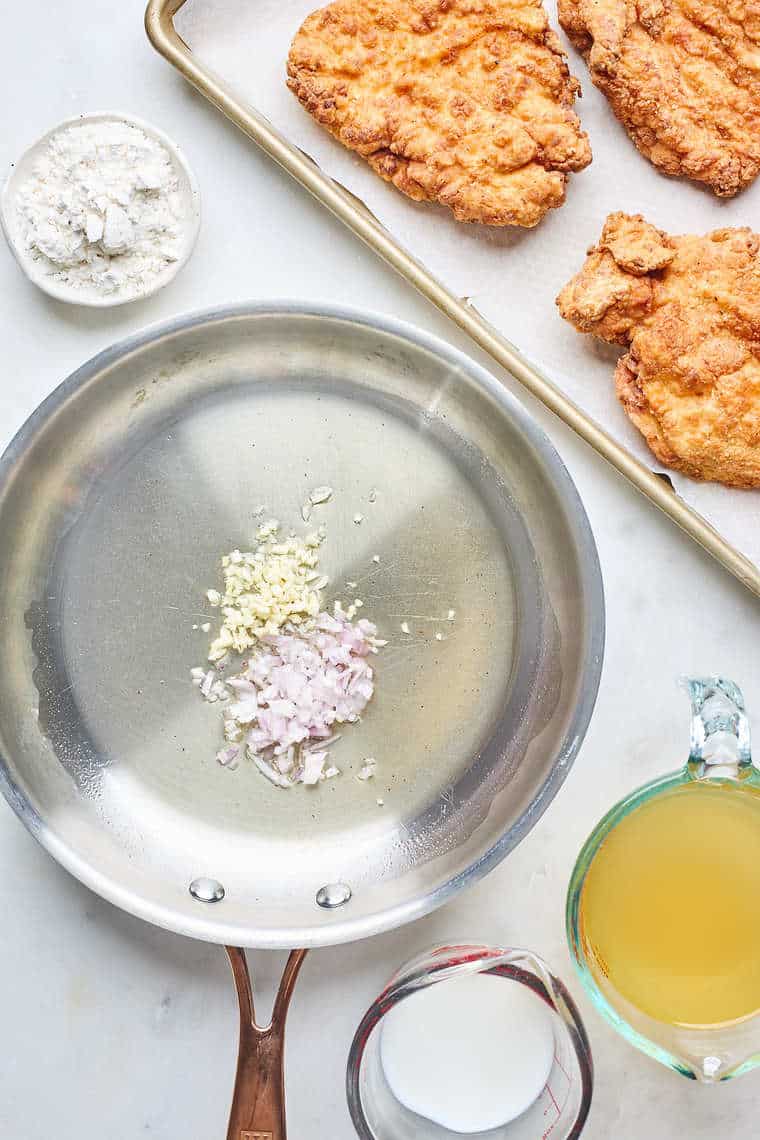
{"x":550,"y":1129}
{"x":556,"y":1062}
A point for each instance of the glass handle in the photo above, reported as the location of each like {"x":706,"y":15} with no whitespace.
{"x":720,"y":739}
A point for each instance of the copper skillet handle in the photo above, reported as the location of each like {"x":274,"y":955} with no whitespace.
{"x":258,"y":1102}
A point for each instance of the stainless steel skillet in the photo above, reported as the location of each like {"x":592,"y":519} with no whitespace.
{"x":117,"y":498}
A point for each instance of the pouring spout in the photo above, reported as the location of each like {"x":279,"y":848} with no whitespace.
{"x":720,"y":735}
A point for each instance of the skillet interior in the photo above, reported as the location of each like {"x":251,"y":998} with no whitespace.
{"x":116,"y":500}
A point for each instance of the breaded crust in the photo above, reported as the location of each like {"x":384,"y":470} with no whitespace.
{"x":683,"y":77}
{"x":463,"y":102}
{"x":688,"y":309}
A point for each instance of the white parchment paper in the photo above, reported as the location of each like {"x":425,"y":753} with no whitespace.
{"x":511,"y":275}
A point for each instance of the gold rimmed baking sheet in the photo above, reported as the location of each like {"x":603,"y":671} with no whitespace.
{"x":497,"y":286}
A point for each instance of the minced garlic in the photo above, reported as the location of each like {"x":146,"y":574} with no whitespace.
{"x":265,"y":588}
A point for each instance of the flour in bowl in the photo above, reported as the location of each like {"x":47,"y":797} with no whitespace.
{"x":102,"y":209}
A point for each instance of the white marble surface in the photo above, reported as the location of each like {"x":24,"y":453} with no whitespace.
{"x":110,"y":1028}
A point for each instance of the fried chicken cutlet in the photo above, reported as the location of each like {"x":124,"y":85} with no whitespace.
{"x":682,"y":76}
{"x":463,"y":102}
{"x":688,"y":310}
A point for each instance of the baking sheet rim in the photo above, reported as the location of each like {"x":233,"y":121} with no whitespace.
{"x":159,"y":24}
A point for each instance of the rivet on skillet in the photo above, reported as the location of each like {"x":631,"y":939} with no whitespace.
{"x":207,"y":890}
{"x":333,"y":894}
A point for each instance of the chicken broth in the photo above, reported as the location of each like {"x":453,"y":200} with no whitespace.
{"x":670,"y":907}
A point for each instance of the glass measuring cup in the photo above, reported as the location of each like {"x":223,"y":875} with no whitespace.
{"x":561,"y":1109}
{"x":719,"y":754}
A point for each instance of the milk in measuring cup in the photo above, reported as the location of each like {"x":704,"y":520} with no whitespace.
{"x":471,"y":1053}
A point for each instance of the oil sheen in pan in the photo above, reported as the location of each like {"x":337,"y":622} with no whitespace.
{"x":118,"y":497}
{"x":446,"y":535}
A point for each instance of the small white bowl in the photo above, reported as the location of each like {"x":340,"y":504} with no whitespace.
{"x":34,"y":268}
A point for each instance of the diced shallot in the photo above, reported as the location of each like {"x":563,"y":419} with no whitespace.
{"x":267,"y":770}
{"x":295,"y":689}
{"x":313,"y":763}
{"x":367,"y":770}
{"x":226,"y":756}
